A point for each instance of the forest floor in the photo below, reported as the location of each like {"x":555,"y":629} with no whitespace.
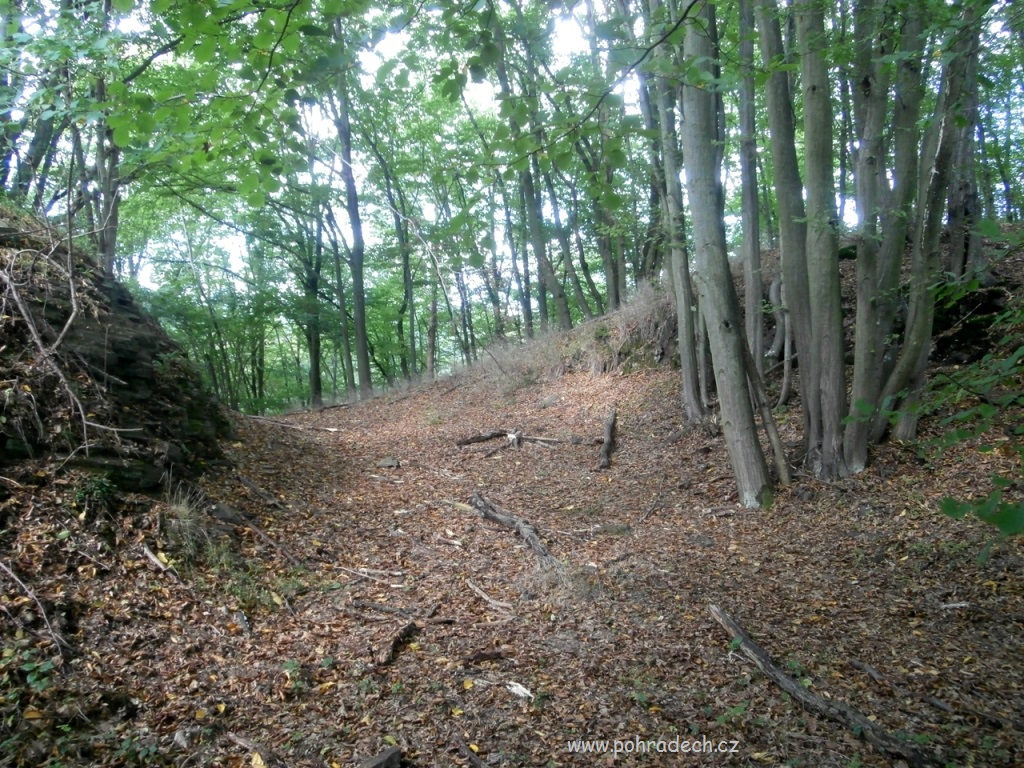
{"x":367,"y":606}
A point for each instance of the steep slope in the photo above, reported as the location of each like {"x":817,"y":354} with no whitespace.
{"x":85,"y":374}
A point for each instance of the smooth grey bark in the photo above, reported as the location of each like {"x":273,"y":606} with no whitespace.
{"x":751,"y":215}
{"x":829,"y":385}
{"x":562,"y":233}
{"x":693,"y":407}
{"x":357,"y":252}
{"x":964,"y":240}
{"x":521,"y":276}
{"x":718,"y":300}
{"x":792,"y":215}
{"x":870,"y":100}
{"x":908,"y":372}
{"x":344,"y":330}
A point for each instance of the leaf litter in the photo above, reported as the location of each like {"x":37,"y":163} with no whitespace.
{"x":353,"y":604}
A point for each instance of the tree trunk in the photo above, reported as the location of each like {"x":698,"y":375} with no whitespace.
{"x":751,"y":215}
{"x":829,"y":383}
{"x":718,"y":300}
{"x":357,"y":252}
{"x":432,"y":334}
{"x":563,"y":239}
{"x":925,"y":264}
{"x":792,"y":217}
{"x":676,"y":239}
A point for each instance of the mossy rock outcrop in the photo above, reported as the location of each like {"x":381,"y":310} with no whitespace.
{"x":88,"y":377}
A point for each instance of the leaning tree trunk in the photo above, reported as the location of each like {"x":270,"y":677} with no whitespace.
{"x":926,"y":263}
{"x":792,"y":216}
{"x":718,"y":299}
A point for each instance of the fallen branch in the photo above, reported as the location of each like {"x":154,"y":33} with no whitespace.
{"x":483,"y":437}
{"x":242,"y":521}
{"x":514,"y":437}
{"x":832,"y":709}
{"x":528,"y":533}
{"x":159,"y":565}
{"x":366,"y":605}
{"x":264,"y":496}
{"x":468,"y":753}
{"x":989,"y":717}
{"x":487,"y":598}
{"x":286,"y":425}
{"x":59,"y":641}
{"x":387,"y":654}
{"x":267,"y":757}
{"x":608,"y":443}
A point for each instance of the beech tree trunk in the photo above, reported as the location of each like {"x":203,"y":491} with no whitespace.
{"x":718,"y":300}
{"x":672,"y":214}
{"x":828,"y":386}
{"x":358,"y":250}
{"x":792,"y":216}
{"x":751,"y":215}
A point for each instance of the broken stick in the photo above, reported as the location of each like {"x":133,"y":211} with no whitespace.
{"x":832,"y":709}
{"x":608,"y":444}
{"x":526,"y":531}
{"x":387,"y":654}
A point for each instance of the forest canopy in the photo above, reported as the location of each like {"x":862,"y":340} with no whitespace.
{"x":321,"y":198}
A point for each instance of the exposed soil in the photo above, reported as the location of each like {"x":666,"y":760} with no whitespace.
{"x":412,"y":622}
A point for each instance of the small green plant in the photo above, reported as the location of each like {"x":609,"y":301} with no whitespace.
{"x":733,"y":713}
{"x":95,"y":493}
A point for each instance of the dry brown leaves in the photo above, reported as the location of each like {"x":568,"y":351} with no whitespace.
{"x":415,"y":623}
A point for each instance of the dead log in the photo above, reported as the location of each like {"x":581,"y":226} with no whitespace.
{"x":832,"y":709}
{"x":608,"y":444}
{"x":483,"y":437}
{"x":514,"y":436}
{"x":526,"y":531}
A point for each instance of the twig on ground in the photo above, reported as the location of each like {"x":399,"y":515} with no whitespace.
{"x":60,"y":642}
{"x":832,"y":709}
{"x":487,"y":598}
{"x":162,"y":567}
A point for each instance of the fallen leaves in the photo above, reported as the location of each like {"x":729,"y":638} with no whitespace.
{"x":434,"y":632}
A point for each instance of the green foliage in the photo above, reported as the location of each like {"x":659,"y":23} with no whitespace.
{"x":987,"y":400}
{"x":94,"y":492}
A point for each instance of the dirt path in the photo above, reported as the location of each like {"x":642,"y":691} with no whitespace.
{"x":859,"y":591}
{"x":412,"y":622}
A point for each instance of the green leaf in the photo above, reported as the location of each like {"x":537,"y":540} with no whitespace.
{"x":954,"y":508}
{"x":617,"y":159}
{"x":490,"y":54}
{"x":521,"y":114}
{"x":122,"y":136}
{"x":123,"y":6}
{"x":477,"y":72}
{"x":205,"y":51}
